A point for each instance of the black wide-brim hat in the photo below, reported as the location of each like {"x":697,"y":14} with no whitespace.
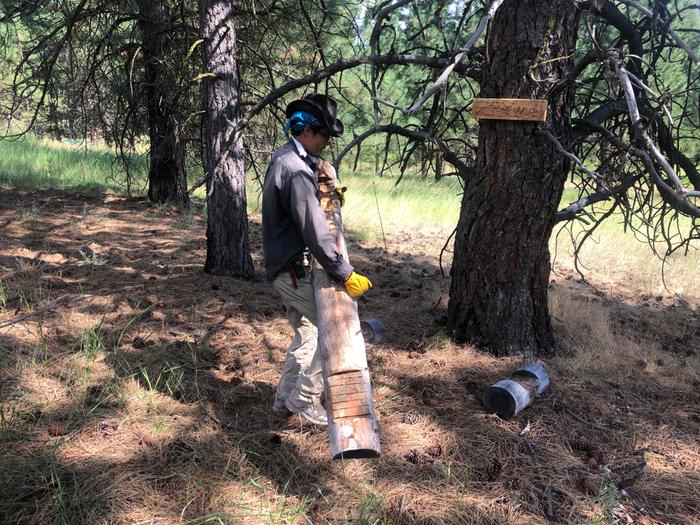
{"x":324,"y":108}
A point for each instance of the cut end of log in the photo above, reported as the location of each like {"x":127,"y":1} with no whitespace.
{"x":373,"y":331}
{"x":510,"y":396}
{"x":499,"y":401}
{"x":358,"y":453}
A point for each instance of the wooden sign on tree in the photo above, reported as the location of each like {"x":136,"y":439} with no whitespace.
{"x":509,"y":109}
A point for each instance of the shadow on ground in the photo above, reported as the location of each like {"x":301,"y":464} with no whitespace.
{"x":140,"y":392}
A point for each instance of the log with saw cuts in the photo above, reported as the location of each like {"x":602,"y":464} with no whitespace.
{"x":352,"y":422}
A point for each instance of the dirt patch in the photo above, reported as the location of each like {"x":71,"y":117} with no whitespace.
{"x":137,"y":389}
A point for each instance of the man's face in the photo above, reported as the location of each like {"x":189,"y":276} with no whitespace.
{"x":313,"y":141}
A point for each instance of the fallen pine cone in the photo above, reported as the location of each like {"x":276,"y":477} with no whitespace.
{"x":596,"y":454}
{"x":581,"y":444}
{"x":411,"y":418}
{"x":587,"y":486}
{"x":429,"y":397}
{"x":55,"y":430}
{"x":418,"y":458}
{"x":434,"y":450}
{"x":493,"y":470}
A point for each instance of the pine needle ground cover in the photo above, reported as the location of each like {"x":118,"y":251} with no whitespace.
{"x":136,"y":389}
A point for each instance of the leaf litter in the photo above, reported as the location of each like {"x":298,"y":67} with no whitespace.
{"x":170,"y":418}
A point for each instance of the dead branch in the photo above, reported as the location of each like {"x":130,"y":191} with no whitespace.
{"x":458,"y":58}
{"x":666,"y":27}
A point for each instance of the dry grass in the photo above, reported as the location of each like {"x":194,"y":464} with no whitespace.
{"x":145,"y":399}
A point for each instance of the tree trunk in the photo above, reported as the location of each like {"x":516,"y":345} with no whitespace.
{"x":500,"y":272}
{"x":228,"y":249}
{"x":167,"y":178}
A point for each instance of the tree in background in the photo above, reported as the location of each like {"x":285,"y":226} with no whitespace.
{"x":167,"y":178}
{"x":117,"y":68}
{"x":228,"y":249}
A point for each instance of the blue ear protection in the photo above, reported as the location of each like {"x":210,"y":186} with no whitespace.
{"x":299,"y":120}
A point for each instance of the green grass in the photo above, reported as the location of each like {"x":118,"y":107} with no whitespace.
{"x":92,"y":341}
{"x":372,"y":202}
{"x":3,"y":298}
{"x":30,"y":163}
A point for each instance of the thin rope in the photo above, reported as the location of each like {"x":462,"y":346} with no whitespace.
{"x":381,"y":224}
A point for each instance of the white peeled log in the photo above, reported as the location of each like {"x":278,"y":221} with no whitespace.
{"x":352,"y":422}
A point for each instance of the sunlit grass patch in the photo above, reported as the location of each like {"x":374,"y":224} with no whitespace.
{"x":374,"y":203}
{"x":91,"y":258}
{"x":22,"y":287}
{"x":620,"y":255}
{"x":595,"y":345}
{"x":31,"y":163}
{"x":3,"y":297}
{"x":92,"y":341}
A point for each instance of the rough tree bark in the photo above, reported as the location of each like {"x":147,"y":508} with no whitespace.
{"x":167,"y":178}
{"x":228,"y":249}
{"x":500,"y":272}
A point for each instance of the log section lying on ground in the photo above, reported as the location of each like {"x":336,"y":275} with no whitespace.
{"x":509,"y":396}
{"x":352,"y":423}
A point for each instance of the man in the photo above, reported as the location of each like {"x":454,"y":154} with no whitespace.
{"x":294,"y":227}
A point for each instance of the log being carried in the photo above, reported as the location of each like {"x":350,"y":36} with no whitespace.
{"x":295,"y":229}
{"x":353,"y":429}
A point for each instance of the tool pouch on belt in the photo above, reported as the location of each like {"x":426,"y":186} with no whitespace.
{"x":298,"y":268}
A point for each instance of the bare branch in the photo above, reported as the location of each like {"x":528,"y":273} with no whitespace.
{"x":315,"y":78}
{"x":571,"y":211}
{"x":635,"y":117}
{"x":673,"y":198}
{"x":651,"y":92}
{"x":666,"y":27}
{"x":382,"y":13}
{"x":458,"y":58}
{"x":422,"y":136}
{"x":570,"y":156}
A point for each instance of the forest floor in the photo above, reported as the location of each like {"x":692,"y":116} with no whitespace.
{"x":137,"y":389}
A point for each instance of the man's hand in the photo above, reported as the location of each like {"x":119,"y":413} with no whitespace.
{"x":357,"y":284}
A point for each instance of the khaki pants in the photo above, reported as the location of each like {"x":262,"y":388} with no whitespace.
{"x":302,"y":379}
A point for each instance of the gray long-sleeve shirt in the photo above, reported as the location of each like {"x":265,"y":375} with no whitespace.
{"x":292,"y":217}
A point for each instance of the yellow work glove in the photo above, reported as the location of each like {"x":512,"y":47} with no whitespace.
{"x":357,"y":284}
{"x":341,"y":194}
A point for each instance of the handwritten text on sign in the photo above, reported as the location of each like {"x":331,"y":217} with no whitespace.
{"x":509,"y":109}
